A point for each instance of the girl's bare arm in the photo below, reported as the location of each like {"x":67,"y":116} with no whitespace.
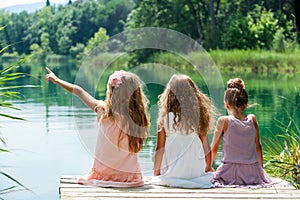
{"x":257,"y":142}
{"x":159,"y":150}
{"x":90,"y":101}
{"x":207,"y":152}
{"x":221,"y":127}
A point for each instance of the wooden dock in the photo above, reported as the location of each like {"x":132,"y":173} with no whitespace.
{"x":70,"y":190}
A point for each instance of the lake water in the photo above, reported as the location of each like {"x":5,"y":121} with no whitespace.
{"x":58,"y":138}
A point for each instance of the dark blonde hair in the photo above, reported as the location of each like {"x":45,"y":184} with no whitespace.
{"x":236,"y":94}
{"x":191,"y":108}
{"x":128,"y":100}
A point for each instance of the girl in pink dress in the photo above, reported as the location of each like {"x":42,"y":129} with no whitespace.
{"x":242,"y":160}
{"x":123,"y":127}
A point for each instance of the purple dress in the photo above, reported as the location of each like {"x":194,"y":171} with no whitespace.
{"x":240,"y":164}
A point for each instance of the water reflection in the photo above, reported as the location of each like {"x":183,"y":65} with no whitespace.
{"x":272,"y":97}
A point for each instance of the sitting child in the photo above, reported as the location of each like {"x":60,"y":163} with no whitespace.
{"x":182,"y":157}
{"x":124,"y":124}
{"x":242,"y":160}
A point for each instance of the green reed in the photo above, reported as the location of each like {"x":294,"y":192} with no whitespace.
{"x":7,"y":92}
{"x":283,"y":153}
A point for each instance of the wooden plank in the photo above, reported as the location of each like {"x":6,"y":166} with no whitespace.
{"x":175,"y":190}
{"x":151,"y":198}
{"x":77,"y":187}
{"x":70,"y":190}
{"x":211,"y":195}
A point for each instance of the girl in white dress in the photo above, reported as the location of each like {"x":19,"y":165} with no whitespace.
{"x":182,"y":157}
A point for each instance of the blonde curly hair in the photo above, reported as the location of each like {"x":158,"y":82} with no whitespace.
{"x":127,"y":100}
{"x":191,"y":108}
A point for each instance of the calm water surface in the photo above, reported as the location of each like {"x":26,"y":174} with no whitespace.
{"x":58,"y":138}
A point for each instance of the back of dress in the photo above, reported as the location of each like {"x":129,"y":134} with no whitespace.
{"x":114,"y":165}
{"x":239,"y":141}
{"x":240,"y":164}
{"x":184,"y":155}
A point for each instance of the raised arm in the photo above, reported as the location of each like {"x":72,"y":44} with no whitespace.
{"x":86,"y":98}
{"x":221,"y":127}
{"x":257,"y":142}
{"x":159,"y":150}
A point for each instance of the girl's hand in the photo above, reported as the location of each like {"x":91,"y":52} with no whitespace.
{"x":76,"y":90}
{"x":51,"y":76}
{"x":209,"y":169}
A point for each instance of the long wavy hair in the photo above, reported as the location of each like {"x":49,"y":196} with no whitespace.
{"x":127,"y":100}
{"x":191,"y":108}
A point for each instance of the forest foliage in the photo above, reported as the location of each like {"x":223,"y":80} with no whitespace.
{"x":76,"y":27}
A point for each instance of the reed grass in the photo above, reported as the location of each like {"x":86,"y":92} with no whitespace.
{"x":7,"y":92}
{"x":283,"y":153}
{"x":251,"y":61}
{"x":257,"y":61}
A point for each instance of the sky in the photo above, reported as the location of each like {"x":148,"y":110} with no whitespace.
{"x":7,"y":3}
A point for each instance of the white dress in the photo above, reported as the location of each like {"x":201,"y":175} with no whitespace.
{"x":183,"y":163}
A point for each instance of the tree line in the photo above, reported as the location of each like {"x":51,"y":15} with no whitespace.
{"x":79,"y":25}
{"x":62,"y":29}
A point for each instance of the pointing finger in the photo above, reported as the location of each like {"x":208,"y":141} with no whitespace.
{"x":49,"y":71}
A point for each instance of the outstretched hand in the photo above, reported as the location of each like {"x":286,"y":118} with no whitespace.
{"x":51,"y":76}
{"x":76,"y":90}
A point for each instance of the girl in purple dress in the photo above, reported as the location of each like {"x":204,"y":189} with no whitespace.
{"x":242,"y":160}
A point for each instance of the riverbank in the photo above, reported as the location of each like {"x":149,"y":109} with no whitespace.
{"x":250,"y":61}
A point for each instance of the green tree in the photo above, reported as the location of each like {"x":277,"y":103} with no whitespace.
{"x":99,"y":37}
{"x":297,"y":18}
{"x":116,"y":12}
{"x":19,"y":26}
{"x":256,"y":30}
{"x":77,"y":51}
{"x":210,"y":22}
{"x":185,"y":16}
{"x":45,"y":42}
{"x":263,"y":25}
{"x":5,"y":36}
{"x":239,"y":35}
{"x":42,"y":23}
{"x":14,"y":32}
{"x":64,"y":45}
{"x":76,"y":24}
{"x":36,"y":50}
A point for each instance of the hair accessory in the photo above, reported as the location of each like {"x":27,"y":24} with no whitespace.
{"x":243,"y":85}
{"x":116,"y":78}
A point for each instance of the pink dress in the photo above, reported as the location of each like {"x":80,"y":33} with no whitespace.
{"x":114,"y":165}
{"x":240,"y":164}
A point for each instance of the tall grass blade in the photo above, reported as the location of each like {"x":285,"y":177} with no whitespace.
{"x":17,"y":182}
{"x":12,"y":117}
{"x":5,"y":190}
{"x":283,"y":154}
